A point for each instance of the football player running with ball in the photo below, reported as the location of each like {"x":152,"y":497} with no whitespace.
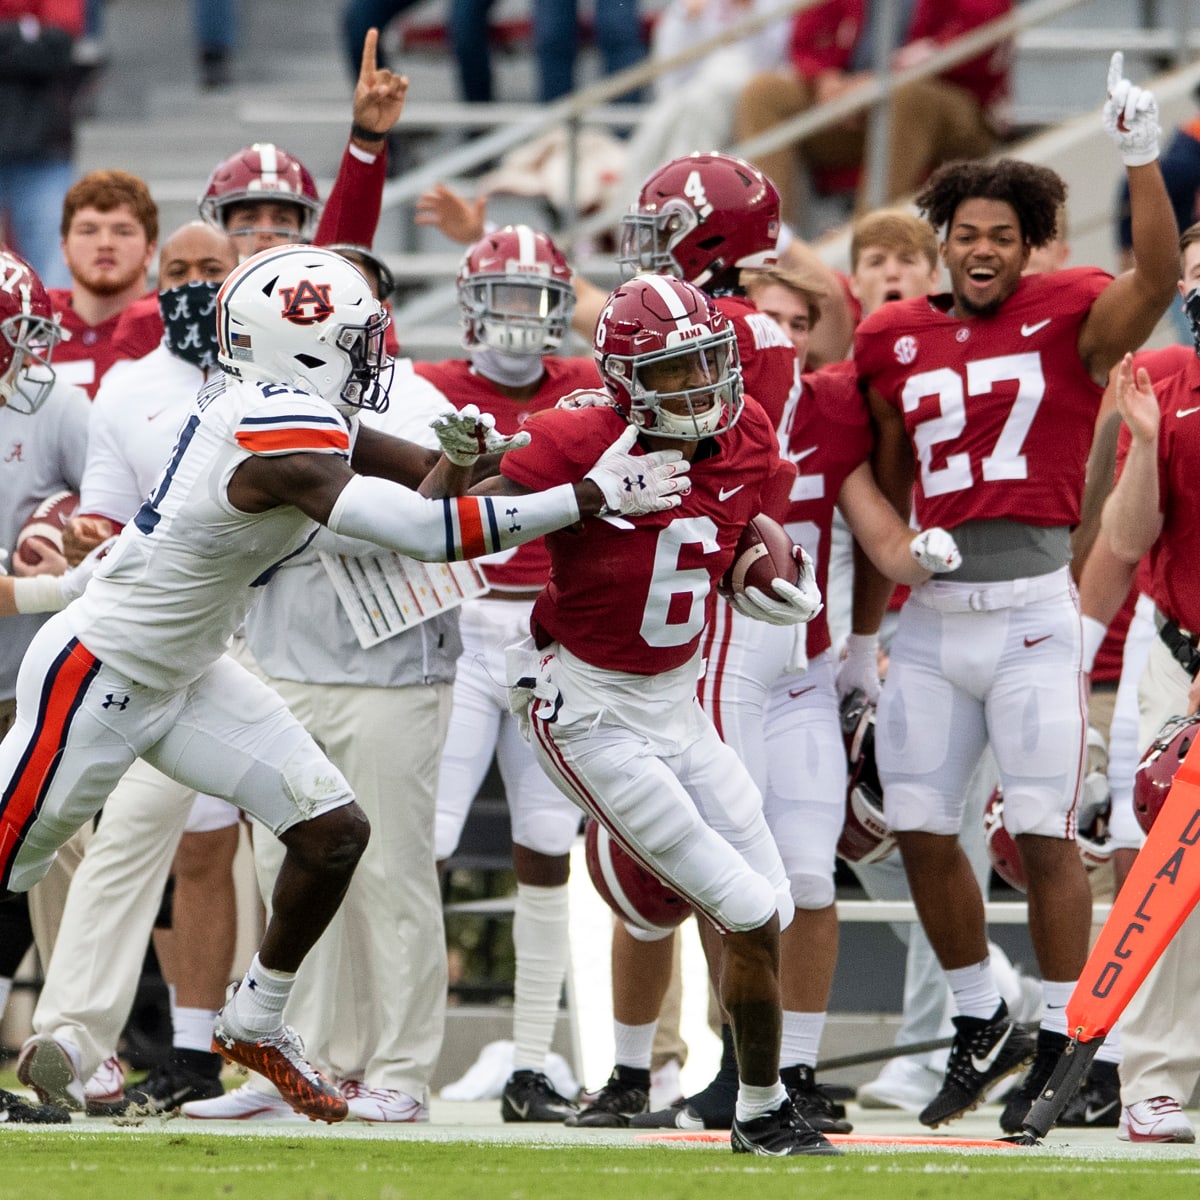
{"x":137,"y":666}
{"x":988,"y":396}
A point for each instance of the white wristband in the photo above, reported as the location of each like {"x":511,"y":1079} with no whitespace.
{"x":1093,"y":634}
{"x":38,"y":594}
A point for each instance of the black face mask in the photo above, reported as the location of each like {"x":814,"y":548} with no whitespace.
{"x":189,"y":322}
{"x":1191,"y":306}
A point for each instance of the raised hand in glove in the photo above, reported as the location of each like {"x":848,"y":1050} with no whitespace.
{"x":468,"y":433}
{"x":936,"y":551}
{"x":635,"y":484}
{"x":1130,"y":116}
{"x":790,"y":604}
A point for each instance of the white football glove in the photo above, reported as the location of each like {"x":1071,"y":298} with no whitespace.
{"x":468,"y":433}
{"x":635,"y":484}
{"x":859,"y":669}
{"x":1130,"y":116}
{"x":935,"y":551}
{"x":587,"y":398}
{"x":792,"y":604}
{"x":51,"y":593}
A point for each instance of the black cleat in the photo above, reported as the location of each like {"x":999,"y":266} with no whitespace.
{"x":174,"y":1084}
{"x":1097,"y":1105}
{"x":780,"y":1133}
{"x":815,"y":1105}
{"x":626,"y":1093}
{"x":15,"y":1111}
{"x":983,"y":1051}
{"x":681,"y":1115}
{"x":530,"y":1096}
{"x":1020,"y":1100}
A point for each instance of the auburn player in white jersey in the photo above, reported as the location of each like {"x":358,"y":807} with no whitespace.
{"x":611,"y":669}
{"x":138,"y":666}
{"x":515,"y":300}
{"x":989,"y":396}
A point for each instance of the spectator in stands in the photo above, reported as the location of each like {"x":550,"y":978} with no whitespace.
{"x":933,"y":120}
{"x":215,"y":24}
{"x":37,"y":85}
{"x":618,"y":34}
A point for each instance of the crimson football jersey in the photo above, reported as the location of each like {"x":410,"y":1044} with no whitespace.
{"x":827,"y":434}
{"x":1175,"y":553}
{"x":88,"y":351}
{"x":634,"y":594}
{"x":999,"y":410}
{"x":768,"y":358}
{"x":528,"y":566}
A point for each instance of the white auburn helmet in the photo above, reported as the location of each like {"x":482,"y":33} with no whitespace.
{"x":654,"y":324}
{"x":515,"y":292}
{"x":636,"y":895}
{"x":28,"y":335}
{"x":865,"y":837}
{"x":304,"y":316}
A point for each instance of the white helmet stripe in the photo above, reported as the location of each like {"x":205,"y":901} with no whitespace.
{"x":268,"y":159}
{"x":662,"y":285}
{"x":526,"y":245}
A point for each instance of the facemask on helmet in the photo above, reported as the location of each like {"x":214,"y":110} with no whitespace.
{"x":262,"y":172}
{"x":305,"y":317}
{"x":669,"y":358}
{"x":515,"y":293}
{"x":865,"y":837}
{"x":700,"y":215}
{"x":28,"y":335}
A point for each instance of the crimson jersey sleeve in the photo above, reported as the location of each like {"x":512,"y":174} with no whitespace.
{"x":1173,"y":557}
{"x":139,"y":329}
{"x":827,"y":436}
{"x":768,"y":358}
{"x":351,"y":214}
{"x":634,"y":594}
{"x":1000,"y":409}
{"x":524,"y":568}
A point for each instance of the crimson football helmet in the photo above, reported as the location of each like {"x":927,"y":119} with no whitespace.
{"x":1001,"y":846}
{"x":636,"y":895}
{"x":865,"y":837}
{"x":669,"y":358}
{"x":700,"y":215}
{"x":305,"y":316}
{"x":515,"y":292}
{"x":28,"y":335}
{"x":261,"y":172}
{"x":1156,"y":772}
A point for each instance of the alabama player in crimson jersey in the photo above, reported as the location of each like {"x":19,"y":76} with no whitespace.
{"x":611,"y":668}
{"x":516,"y":301}
{"x":989,"y":396}
{"x":137,"y":666}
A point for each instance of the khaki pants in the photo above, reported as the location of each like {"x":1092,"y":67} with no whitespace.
{"x":932,"y":122}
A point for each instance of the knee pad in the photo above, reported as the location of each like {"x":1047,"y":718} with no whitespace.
{"x":646,"y":935}
{"x":812,"y":892}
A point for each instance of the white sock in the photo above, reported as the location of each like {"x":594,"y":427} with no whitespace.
{"x":257,"y":1006}
{"x":753,"y":1101}
{"x":634,"y":1044}
{"x":1110,"y":1048}
{"x":801,"y":1038}
{"x":975,"y":991}
{"x":193,"y":1027}
{"x":540,"y":942}
{"x":1054,"y":1005}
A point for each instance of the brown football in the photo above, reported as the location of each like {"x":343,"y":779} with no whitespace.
{"x":45,"y":525}
{"x":763,"y":553}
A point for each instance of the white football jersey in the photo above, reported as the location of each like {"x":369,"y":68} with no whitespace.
{"x":185,"y":570}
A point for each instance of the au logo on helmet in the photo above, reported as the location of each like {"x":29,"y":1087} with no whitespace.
{"x":306,"y":296}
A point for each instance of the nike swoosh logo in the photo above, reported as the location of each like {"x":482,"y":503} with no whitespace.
{"x":1092,"y":1115}
{"x":1034,"y":641}
{"x":1030,"y":330}
{"x":522,"y":1110}
{"x":1186,"y":412}
{"x":797,"y":692}
{"x":725,"y":493}
{"x":982,"y":1064}
{"x":804,"y":454}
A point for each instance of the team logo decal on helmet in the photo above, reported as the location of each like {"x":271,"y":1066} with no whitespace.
{"x":297,"y":299}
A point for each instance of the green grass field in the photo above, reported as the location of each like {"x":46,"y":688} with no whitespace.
{"x":164,"y":1165}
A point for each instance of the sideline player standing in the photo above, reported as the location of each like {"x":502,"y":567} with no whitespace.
{"x":989,"y":394}
{"x":138,"y":666}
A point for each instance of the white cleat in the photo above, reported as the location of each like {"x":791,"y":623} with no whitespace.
{"x":244,"y":1103}
{"x":1159,"y":1119}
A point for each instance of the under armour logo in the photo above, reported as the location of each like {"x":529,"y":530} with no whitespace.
{"x":110,"y":701}
{"x":639,"y":482}
{"x":251,"y":983}
{"x":513,"y":524}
